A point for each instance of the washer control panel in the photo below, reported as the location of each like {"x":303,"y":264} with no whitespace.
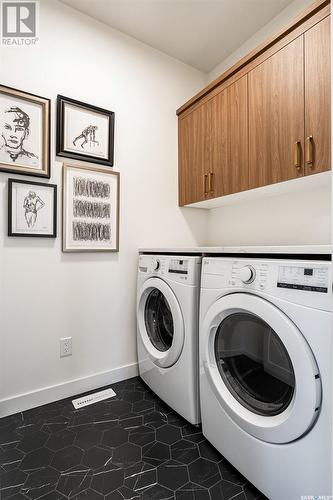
{"x":184,"y":269}
{"x":310,"y":278}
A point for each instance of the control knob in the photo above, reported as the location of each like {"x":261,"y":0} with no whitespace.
{"x":155,"y":264}
{"x":247,"y":274}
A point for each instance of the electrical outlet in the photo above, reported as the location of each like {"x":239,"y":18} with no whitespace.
{"x":65,"y":347}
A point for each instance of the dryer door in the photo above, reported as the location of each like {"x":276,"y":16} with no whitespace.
{"x":160,"y":322}
{"x":260,"y":367}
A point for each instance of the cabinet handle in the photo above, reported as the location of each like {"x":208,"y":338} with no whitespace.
{"x":210,"y":184}
{"x":309,"y":150}
{"x":297,"y":154}
{"x":205,"y":178}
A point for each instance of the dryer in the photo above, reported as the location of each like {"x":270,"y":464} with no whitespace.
{"x":167,"y":329}
{"x":266,"y":371}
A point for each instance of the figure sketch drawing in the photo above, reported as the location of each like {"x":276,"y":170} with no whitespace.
{"x":32,"y":204}
{"x":15,"y":129}
{"x":88,"y":135}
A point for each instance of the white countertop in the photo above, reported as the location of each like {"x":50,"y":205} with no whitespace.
{"x":285,"y":249}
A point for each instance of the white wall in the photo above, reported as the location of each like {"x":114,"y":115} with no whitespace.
{"x":46,"y":294}
{"x":302,"y":217}
{"x":276,"y":24}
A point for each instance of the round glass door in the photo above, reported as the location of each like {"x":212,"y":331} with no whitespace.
{"x":158,"y":320}
{"x":259,"y":367}
{"x":254,"y":364}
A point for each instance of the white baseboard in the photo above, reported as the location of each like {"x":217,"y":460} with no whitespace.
{"x":46,"y":395}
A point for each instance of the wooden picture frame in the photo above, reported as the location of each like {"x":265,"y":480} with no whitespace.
{"x":90,"y":212}
{"x":24,"y":133}
{"x":32,"y":209}
{"x":84,"y":132}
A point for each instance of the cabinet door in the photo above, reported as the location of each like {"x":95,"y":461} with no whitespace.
{"x":194,"y":154}
{"x":317,"y":98}
{"x":230,"y":140}
{"x":276,"y":117}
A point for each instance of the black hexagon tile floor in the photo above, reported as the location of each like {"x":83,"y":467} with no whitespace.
{"x":130,"y":447}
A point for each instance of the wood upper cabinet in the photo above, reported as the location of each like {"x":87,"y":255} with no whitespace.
{"x":317,"y":98}
{"x":276,"y":117}
{"x":213,"y":146}
{"x":194,"y":154}
{"x":230,"y":139}
{"x":265,"y":120}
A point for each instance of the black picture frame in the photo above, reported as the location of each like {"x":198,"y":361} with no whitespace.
{"x":45,"y":104}
{"x":11,"y":232}
{"x":60,"y":140}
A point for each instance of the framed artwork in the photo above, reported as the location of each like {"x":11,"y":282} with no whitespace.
{"x":32,"y":209}
{"x":84,"y":132}
{"x":24,"y":133}
{"x":90,"y":209}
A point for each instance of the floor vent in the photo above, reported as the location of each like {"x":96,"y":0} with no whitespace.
{"x":90,"y":399}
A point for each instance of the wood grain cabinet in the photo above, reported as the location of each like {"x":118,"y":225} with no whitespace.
{"x":264,"y":121}
{"x":317,"y":98}
{"x":289,"y":110}
{"x":213,"y":146}
{"x":229,"y":163}
{"x":194,"y":154}
{"x":276,"y":117}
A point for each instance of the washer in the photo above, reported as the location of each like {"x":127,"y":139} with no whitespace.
{"x":265,"y":371}
{"x":167,"y":329}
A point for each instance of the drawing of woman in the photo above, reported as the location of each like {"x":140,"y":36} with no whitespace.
{"x":32,"y":204}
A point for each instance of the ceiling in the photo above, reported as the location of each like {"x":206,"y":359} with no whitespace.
{"x":198,"y":32}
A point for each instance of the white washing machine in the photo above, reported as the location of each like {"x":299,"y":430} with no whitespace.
{"x":167,"y":329}
{"x":265,"y":371}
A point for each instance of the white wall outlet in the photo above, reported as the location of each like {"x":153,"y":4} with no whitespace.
{"x":65,"y":347}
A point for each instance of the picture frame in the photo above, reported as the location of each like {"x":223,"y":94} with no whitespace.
{"x":90,"y":209}
{"x":84,"y":132}
{"x":32,"y":209}
{"x":24,"y":133}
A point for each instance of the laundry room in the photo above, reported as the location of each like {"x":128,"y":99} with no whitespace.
{"x":166,"y":250}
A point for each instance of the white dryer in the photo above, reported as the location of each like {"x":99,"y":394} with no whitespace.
{"x":167,"y":329}
{"x":266,"y":371}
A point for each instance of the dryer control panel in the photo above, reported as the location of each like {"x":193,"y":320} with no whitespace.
{"x":303,"y":282}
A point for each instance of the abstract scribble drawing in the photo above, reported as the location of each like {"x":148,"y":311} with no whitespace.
{"x":90,"y":188}
{"x":15,"y":128}
{"x":32,"y":204}
{"x":88,"y":135}
{"x":96,"y":210}
{"x":91,"y":231}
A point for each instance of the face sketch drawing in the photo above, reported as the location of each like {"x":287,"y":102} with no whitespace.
{"x":32,"y":204}
{"x":14,"y":131}
{"x":88,"y":135}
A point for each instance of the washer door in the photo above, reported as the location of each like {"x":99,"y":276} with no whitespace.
{"x":260,"y":367}
{"x":160,"y":322}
